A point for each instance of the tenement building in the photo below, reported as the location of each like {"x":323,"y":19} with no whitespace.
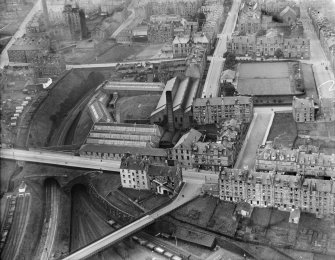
{"x":217,"y":109}
{"x":268,"y":158}
{"x":25,"y":49}
{"x":48,"y":65}
{"x":141,"y":174}
{"x":160,"y":32}
{"x":303,"y":109}
{"x":192,"y":152}
{"x":274,"y":189}
{"x":267,"y":45}
{"x":76,"y":22}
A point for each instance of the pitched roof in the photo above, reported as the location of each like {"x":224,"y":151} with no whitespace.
{"x":102,"y":148}
{"x":187,"y":139}
{"x":286,"y":10}
{"x":162,"y":170}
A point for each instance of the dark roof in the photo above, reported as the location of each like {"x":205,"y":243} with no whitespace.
{"x":123,"y":150}
{"x":162,"y":170}
{"x":196,"y":237}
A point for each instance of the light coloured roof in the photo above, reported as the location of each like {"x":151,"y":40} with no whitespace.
{"x":228,"y":74}
{"x":187,"y":139}
{"x":302,"y":102}
{"x":286,"y":10}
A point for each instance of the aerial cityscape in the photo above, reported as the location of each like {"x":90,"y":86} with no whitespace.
{"x":167,"y":129}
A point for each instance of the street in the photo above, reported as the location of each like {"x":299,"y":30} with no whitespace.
{"x":318,"y":57}
{"x":19,"y":33}
{"x":254,"y":138}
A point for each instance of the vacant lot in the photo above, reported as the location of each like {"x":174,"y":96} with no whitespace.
{"x":283,"y":130}
{"x":264,"y":78}
{"x":198,"y":211}
{"x":222,"y":219}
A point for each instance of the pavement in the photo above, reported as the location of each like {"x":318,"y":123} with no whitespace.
{"x":19,"y":33}
{"x":211,"y":87}
{"x":188,"y":192}
{"x":318,"y":57}
{"x":127,"y":22}
{"x":256,"y":133}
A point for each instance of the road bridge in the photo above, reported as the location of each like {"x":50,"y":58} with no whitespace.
{"x":188,"y":192}
{"x":57,"y":158}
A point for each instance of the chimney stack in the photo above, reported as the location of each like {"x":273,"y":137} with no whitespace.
{"x":169,"y":111}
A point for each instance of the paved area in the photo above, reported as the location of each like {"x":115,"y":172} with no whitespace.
{"x":318,"y":57}
{"x":211,"y":87}
{"x":254,"y":138}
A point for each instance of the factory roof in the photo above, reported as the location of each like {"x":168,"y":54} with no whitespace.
{"x":118,"y":85}
{"x":183,"y":91}
{"x":102,"y":148}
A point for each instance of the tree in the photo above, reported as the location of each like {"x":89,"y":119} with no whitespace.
{"x":279,"y":53}
{"x":228,"y":89}
{"x":230,"y":60}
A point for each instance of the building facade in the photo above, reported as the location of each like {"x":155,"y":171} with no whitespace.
{"x":25,"y":49}
{"x":218,"y":109}
{"x":49,"y":65}
{"x":274,"y":189}
{"x":269,"y":158}
{"x":141,"y":174}
{"x":75,"y":20}
{"x":267,"y":45}
{"x":160,"y":32}
{"x":303,"y":109}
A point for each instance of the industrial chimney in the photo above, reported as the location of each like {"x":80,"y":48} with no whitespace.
{"x":169,"y":111}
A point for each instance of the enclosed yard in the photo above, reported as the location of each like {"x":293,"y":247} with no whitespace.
{"x":264,"y":79}
{"x":283,"y":130}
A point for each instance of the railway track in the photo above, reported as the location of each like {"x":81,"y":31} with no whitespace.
{"x":53,"y":197}
{"x":16,"y":233}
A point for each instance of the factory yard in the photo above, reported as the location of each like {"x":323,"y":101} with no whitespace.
{"x":264,"y":78}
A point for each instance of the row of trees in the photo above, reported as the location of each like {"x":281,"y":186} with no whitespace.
{"x":231,"y":58}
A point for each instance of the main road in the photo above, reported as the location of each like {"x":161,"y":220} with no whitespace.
{"x":19,"y":33}
{"x":317,"y":57}
{"x":188,"y":192}
{"x":211,"y":87}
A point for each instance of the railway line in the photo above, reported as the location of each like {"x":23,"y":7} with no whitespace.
{"x":17,"y":230}
{"x":52,"y":199}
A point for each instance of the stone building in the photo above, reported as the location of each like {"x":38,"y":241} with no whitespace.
{"x":192,"y":152}
{"x":268,"y":158}
{"x":49,"y":65}
{"x":218,"y":109}
{"x":141,"y":174}
{"x":25,"y":49}
{"x":267,"y":45}
{"x":160,"y":32}
{"x":274,"y":189}
{"x":182,"y":45}
{"x":183,"y":8}
{"x":288,"y":15}
{"x":182,"y":151}
{"x":303,"y":109}
{"x":75,"y":20}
